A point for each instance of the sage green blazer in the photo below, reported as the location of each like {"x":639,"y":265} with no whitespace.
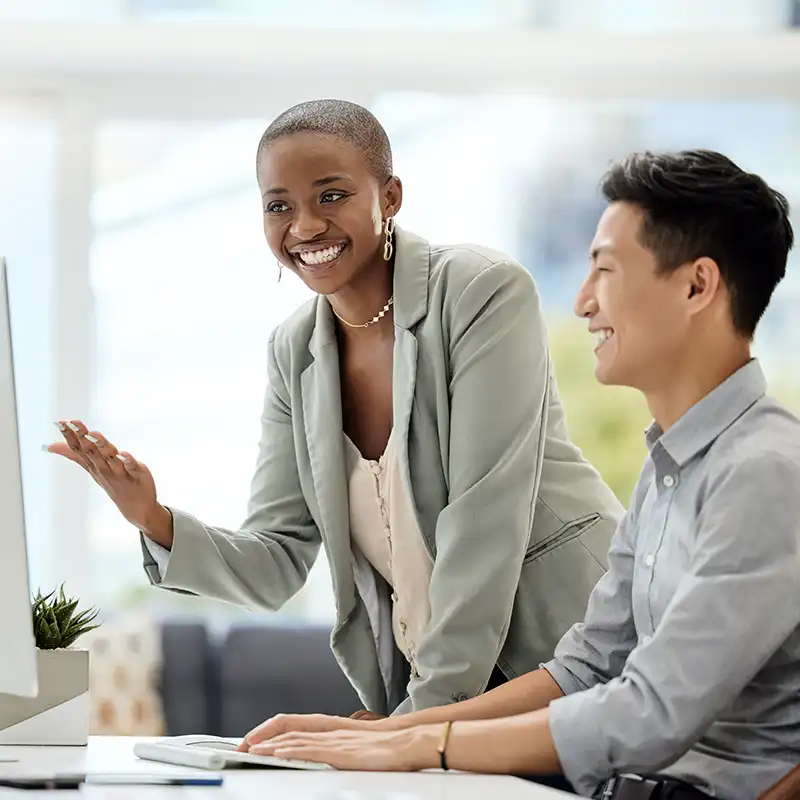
{"x":517,"y":523}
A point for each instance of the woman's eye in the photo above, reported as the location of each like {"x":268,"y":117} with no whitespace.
{"x":277,"y":207}
{"x":331,"y":197}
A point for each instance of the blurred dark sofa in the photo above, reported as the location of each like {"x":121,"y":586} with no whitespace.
{"x":225,"y":683}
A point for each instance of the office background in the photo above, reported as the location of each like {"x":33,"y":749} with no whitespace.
{"x":143,"y":292}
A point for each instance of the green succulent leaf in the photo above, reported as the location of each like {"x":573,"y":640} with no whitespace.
{"x":57,"y":623}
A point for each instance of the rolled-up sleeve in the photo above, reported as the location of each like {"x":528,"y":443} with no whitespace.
{"x":734,"y":606}
{"x":594,"y":651}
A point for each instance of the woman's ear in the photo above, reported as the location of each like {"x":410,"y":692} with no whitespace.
{"x":392,"y":198}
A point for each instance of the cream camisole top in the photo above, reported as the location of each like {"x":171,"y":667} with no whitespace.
{"x":383,"y":527}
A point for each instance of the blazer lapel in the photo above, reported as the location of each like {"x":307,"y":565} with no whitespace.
{"x":411,"y":277}
{"x":322,"y":415}
{"x":322,"y":409}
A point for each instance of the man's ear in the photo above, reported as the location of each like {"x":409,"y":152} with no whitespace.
{"x":703,"y":283}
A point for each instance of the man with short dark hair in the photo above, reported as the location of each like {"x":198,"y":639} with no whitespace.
{"x":687,"y":665}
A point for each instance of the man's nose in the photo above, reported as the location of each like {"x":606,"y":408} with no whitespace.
{"x":585,"y":301}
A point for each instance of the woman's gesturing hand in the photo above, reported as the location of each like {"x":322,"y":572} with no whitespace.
{"x":125,"y":480}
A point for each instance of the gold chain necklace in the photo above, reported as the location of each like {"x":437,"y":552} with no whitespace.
{"x":377,"y":318}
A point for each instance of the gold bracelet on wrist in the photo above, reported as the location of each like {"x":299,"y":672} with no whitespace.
{"x":441,"y":749}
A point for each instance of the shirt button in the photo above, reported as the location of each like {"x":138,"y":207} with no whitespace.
{"x":649,"y":560}
{"x":646,"y":639}
{"x":394,"y":597}
{"x":668,"y":481}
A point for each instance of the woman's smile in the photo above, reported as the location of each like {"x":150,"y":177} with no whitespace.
{"x":317,"y":258}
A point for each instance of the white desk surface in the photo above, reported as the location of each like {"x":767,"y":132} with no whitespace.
{"x":115,"y":754}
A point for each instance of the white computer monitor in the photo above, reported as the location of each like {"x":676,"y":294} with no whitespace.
{"x":17,"y":646}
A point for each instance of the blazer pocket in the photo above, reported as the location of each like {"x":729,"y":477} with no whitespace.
{"x":568,"y":532}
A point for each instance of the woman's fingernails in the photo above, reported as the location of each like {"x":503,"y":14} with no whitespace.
{"x":92,"y":439}
{"x":73,"y":427}
{"x":61,"y":426}
{"x":46,"y":448}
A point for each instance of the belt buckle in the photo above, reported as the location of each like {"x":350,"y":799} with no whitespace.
{"x":629,"y":787}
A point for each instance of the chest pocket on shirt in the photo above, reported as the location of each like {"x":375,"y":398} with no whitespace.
{"x":566,"y":533}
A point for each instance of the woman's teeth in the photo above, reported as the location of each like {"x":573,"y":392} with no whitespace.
{"x":314,"y":258}
{"x":601,"y":336}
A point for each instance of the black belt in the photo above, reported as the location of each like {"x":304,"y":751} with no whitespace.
{"x":639,"y":787}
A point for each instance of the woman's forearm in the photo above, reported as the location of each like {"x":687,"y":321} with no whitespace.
{"x":520,"y":745}
{"x":527,"y":693}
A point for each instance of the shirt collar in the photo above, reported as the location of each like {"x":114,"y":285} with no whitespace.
{"x":706,"y":420}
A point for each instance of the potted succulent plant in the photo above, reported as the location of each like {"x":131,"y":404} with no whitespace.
{"x":59,"y":715}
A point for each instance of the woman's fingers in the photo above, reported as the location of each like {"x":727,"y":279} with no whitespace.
{"x":104,"y":447}
{"x":299,"y":738}
{"x":341,"y":749}
{"x":73,"y":428}
{"x":331,"y":755}
{"x":104,"y":454}
{"x":286,"y":723}
{"x":130,"y":464}
{"x":61,"y":449}
{"x":93,"y":452}
{"x":293,"y":739}
{"x":126,"y":481}
{"x":72,"y":431}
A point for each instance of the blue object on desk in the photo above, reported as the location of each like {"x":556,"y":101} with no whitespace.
{"x":74,"y":781}
{"x":151,"y":779}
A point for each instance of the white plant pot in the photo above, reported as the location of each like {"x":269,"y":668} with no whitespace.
{"x":59,"y":716}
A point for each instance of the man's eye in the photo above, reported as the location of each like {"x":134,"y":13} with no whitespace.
{"x":277,"y":207}
{"x":331,"y":197}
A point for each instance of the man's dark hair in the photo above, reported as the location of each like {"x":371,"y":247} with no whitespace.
{"x":699,"y":203}
{"x":341,"y":119}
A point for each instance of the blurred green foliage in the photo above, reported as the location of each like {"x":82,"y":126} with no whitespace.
{"x":608,"y":422}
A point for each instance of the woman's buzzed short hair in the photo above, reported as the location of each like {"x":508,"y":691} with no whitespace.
{"x":341,"y":119}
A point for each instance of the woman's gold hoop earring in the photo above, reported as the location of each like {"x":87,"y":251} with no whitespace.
{"x":388,"y":246}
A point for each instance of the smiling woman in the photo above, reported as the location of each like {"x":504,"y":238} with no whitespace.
{"x":325,"y":171}
{"x":411,"y":426}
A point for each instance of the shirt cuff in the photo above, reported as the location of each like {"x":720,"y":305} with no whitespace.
{"x":160,"y":555}
{"x":579,"y":741}
{"x":566,"y":681}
